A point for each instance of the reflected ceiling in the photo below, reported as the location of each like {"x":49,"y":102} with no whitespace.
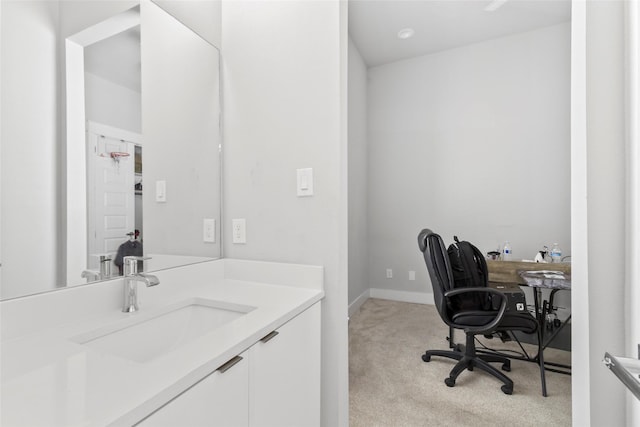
{"x":117,"y":59}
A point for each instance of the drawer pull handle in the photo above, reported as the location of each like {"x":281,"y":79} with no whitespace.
{"x":269,"y":336}
{"x":224,"y":368}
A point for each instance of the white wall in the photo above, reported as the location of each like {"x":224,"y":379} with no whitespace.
{"x":29,"y":146}
{"x":282,"y":68}
{"x":472,"y":142}
{"x":203,"y":17}
{"x":358,"y":173}
{"x":111,"y":104}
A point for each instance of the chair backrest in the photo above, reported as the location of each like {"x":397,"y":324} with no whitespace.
{"x":438,"y":266}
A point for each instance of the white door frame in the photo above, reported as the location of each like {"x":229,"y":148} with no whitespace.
{"x":632,"y":249}
{"x":76,"y":157}
{"x":583,"y":380}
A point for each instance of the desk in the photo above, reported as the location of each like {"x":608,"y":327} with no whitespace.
{"x":538,"y":277}
{"x":507,"y":271}
{"x":556,"y":281}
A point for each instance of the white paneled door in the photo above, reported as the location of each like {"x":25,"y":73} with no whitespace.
{"x":110,"y":198}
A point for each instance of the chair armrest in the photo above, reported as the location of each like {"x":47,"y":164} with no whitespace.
{"x":491,"y":326}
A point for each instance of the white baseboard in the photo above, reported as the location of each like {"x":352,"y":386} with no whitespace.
{"x":403,"y":296}
{"x":388,"y":294}
{"x":355,"y":306}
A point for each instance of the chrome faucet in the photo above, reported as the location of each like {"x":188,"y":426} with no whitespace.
{"x":131,"y":279}
{"x":105,"y":269}
{"x":105,"y":266}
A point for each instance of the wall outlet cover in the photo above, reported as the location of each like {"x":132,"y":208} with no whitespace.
{"x":239,"y":230}
{"x":209,"y":230}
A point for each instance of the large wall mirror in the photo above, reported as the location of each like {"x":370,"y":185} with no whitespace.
{"x":110,"y":142}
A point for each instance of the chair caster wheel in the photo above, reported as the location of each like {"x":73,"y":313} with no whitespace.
{"x":426,"y":358}
{"x":450,"y":382}
{"x":506,"y":367}
{"x":506,"y":389}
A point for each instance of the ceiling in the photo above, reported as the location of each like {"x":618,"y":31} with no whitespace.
{"x":442,"y":24}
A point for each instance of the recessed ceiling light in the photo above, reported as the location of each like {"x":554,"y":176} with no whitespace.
{"x":494,"y":5}
{"x":405,"y":33}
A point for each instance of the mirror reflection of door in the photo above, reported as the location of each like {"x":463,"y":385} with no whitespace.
{"x":114,"y":194}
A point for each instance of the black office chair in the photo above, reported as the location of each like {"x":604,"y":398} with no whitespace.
{"x":472,"y":320}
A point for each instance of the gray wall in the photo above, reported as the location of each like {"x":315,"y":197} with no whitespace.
{"x":283,"y":109}
{"x":358,"y":175}
{"x":472,"y":142}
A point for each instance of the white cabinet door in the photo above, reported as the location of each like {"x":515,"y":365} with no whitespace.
{"x":284,"y":374}
{"x":220,"y":399}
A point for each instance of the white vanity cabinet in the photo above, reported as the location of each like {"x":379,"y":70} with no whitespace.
{"x":275,"y":383}
{"x":220,"y":399}
{"x":284,"y":374}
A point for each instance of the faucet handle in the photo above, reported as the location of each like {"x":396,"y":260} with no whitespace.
{"x":131,"y":264}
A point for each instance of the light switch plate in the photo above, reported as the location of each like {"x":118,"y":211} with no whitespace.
{"x":239,"y":231}
{"x":305,"y":182}
{"x":209,"y":230}
{"x":161,"y":191}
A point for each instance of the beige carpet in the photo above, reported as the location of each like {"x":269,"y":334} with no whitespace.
{"x":390,"y":385}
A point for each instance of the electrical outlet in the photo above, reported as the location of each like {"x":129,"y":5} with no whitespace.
{"x":239,"y":230}
{"x":412,"y":275}
{"x":209,"y":230}
{"x":389,"y":273}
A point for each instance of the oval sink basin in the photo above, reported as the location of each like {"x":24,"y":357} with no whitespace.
{"x":146,"y":336}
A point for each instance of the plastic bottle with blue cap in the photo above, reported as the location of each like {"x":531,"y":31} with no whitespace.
{"x":506,"y":251}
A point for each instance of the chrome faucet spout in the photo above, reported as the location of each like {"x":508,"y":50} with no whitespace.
{"x":90,"y":274}
{"x":148,"y":279}
{"x":131,"y":279}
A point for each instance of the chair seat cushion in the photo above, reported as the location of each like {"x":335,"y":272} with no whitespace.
{"x":524,"y":322}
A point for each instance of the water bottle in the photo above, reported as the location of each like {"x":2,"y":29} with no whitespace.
{"x":506,"y":252}
{"x":556,"y":253}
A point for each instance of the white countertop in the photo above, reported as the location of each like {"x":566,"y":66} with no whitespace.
{"x":49,"y":380}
